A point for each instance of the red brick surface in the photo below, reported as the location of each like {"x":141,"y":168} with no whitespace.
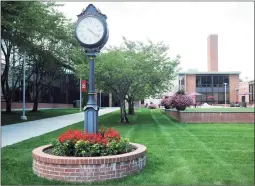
{"x":212,"y":53}
{"x":86,"y":169}
{"x":212,"y":117}
{"x":233,"y":84}
{"x":40,"y":105}
{"x":190,"y":83}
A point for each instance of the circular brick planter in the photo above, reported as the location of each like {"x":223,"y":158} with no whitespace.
{"x":87,"y":169}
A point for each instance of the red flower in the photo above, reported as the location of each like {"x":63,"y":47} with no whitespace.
{"x":103,"y":137}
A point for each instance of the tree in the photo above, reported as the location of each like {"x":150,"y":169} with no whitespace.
{"x":154,"y":70}
{"x":46,"y":36}
{"x":133,"y":71}
{"x":18,"y":24}
{"x":112,"y":75}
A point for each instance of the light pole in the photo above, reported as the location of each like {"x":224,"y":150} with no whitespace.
{"x":24,"y":117}
{"x":225,"y":94}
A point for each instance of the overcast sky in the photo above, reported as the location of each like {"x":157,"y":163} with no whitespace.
{"x":184,"y":26}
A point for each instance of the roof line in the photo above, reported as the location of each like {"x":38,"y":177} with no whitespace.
{"x":223,"y":72}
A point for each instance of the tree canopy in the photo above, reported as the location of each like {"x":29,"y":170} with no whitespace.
{"x":133,"y":71}
{"x":45,"y":35}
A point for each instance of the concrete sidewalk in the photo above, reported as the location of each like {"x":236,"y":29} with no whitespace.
{"x":21,"y":131}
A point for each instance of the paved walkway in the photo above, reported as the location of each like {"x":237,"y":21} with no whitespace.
{"x":21,"y":131}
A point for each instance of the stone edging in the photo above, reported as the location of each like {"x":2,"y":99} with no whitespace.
{"x":85,"y":169}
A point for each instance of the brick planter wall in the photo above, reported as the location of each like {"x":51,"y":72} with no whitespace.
{"x":212,"y":117}
{"x":87,"y":169}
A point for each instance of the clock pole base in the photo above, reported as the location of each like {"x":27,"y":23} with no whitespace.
{"x":91,"y":118}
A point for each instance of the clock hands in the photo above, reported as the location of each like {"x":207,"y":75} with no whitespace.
{"x":93,"y":32}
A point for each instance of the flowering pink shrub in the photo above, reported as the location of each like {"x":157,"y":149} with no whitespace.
{"x":180,"y":99}
{"x":165,"y":102}
{"x":152,"y":106}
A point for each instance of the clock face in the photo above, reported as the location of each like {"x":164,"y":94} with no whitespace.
{"x":90,"y":30}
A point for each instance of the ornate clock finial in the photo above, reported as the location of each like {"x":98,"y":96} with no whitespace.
{"x":99,"y":10}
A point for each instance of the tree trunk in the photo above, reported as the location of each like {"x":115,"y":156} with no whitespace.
{"x":131,"y":109}
{"x":35,"y":106}
{"x":6,"y":91}
{"x":123,"y":113}
{"x":8,"y":106}
{"x":37,"y":83}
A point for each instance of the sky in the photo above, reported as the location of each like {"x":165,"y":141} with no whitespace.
{"x":185,"y":27}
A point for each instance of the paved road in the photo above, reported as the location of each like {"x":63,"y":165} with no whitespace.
{"x":21,"y":131}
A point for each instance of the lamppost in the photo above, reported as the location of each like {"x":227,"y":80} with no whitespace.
{"x":225,"y":94}
{"x":92,"y":33}
{"x":24,"y":117}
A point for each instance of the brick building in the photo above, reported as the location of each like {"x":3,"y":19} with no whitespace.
{"x":211,"y":83}
{"x":243,"y":90}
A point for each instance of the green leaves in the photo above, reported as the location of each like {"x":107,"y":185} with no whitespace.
{"x":46,"y":36}
{"x":154,"y":69}
{"x":133,"y":71}
{"x":62,"y":149}
{"x":85,"y":149}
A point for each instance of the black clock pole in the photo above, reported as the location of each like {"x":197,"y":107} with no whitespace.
{"x":91,"y":110}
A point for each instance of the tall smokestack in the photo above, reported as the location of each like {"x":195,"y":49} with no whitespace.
{"x":212,"y":53}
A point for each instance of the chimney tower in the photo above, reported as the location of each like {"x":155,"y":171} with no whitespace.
{"x":212,"y":53}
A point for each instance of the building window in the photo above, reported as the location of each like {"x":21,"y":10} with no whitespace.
{"x":181,"y":81}
{"x":209,"y":80}
{"x":203,"y":81}
{"x":212,"y":85}
{"x":216,"y":97}
{"x":215,"y":81}
{"x":203,"y":98}
{"x":226,"y":79}
{"x":198,"y":81}
{"x":221,"y":97}
{"x":220,"y":80}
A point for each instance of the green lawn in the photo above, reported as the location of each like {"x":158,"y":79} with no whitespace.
{"x":14,"y":117}
{"x":229,"y":109}
{"x":177,"y":153}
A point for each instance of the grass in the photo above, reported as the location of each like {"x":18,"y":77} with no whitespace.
{"x":177,"y":153}
{"x":15,"y":116}
{"x":229,"y":109}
